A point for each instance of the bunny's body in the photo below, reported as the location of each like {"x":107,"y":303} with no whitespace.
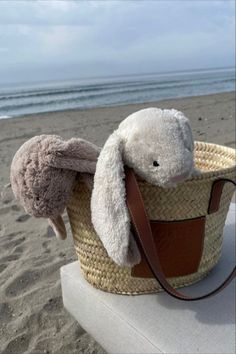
{"x":158,"y":145}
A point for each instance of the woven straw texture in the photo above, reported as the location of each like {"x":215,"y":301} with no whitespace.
{"x":189,"y":200}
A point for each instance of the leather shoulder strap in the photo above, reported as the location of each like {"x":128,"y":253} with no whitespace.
{"x":216,"y":192}
{"x":145,"y":239}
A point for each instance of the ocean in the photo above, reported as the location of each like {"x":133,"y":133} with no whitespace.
{"x":23,"y":99}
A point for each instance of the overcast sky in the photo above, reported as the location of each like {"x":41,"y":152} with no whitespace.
{"x":71,"y":39}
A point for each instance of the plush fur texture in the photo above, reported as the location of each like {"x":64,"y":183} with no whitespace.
{"x":149,"y":135}
{"x":43,"y":172}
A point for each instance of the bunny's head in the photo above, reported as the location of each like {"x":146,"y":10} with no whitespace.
{"x":158,"y":145}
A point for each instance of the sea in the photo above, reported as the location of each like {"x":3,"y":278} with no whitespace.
{"x":40,"y":97}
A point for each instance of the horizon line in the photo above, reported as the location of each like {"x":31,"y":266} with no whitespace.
{"x":124,"y":75}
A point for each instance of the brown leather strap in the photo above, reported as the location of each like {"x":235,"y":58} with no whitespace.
{"x":216,"y":192}
{"x":145,"y":239}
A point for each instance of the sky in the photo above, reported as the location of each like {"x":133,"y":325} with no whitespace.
{"x":53,"y":39}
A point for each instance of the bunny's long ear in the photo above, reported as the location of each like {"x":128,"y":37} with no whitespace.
{"x":188,"y":140}
{"x":110,"y":216}
{"x":75,"y":154}
{"x":58,"y":227}
{"x":186,"y":132}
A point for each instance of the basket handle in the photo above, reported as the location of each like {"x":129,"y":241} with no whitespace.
{"x":216,"y":192}
{"x":145,"y":239}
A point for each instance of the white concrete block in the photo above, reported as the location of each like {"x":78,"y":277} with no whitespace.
{"x":157,"y":323}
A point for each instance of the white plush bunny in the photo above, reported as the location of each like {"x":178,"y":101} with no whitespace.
{"x":158,"y":145}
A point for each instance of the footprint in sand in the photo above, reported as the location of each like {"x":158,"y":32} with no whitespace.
{"x":23,"y":218}
{"x":13,"y":234}
{"x":10,"y":258}
{"x":53,"y":305}
{"x":2,"y":267}
{"x":5,"y":210}
{"x":50,"y":233}
{"x":45,"y":245}
{"x":18,"y":345}
{"x":26,"y":280}
{"x":2,"y":230}
{"x":19,"y":249}
{"x":4,"y":261}
{"x":23,"y":283}
{"x":44,"y":260}
{"x":15,"y":207}
{"x":8,"y":237}
{"x":13,"y":243}
{"x":6,"y":312}
{"x":6,"y":195}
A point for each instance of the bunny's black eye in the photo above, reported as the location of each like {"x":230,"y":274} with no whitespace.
{"x":155,"y":163}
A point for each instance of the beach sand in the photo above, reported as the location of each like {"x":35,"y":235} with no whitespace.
{"x":32,"y":316}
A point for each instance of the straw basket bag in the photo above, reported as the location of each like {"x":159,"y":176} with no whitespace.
{"x":202,"y":200}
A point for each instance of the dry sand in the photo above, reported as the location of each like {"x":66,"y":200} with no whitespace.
{"x":32,"y":316}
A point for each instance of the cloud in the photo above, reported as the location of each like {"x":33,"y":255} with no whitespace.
{"x":106,"y":37}
{"x":47,"y":13}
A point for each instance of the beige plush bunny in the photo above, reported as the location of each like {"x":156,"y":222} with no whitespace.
{"x":158,"y":145}
{"x":43,"y":172}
